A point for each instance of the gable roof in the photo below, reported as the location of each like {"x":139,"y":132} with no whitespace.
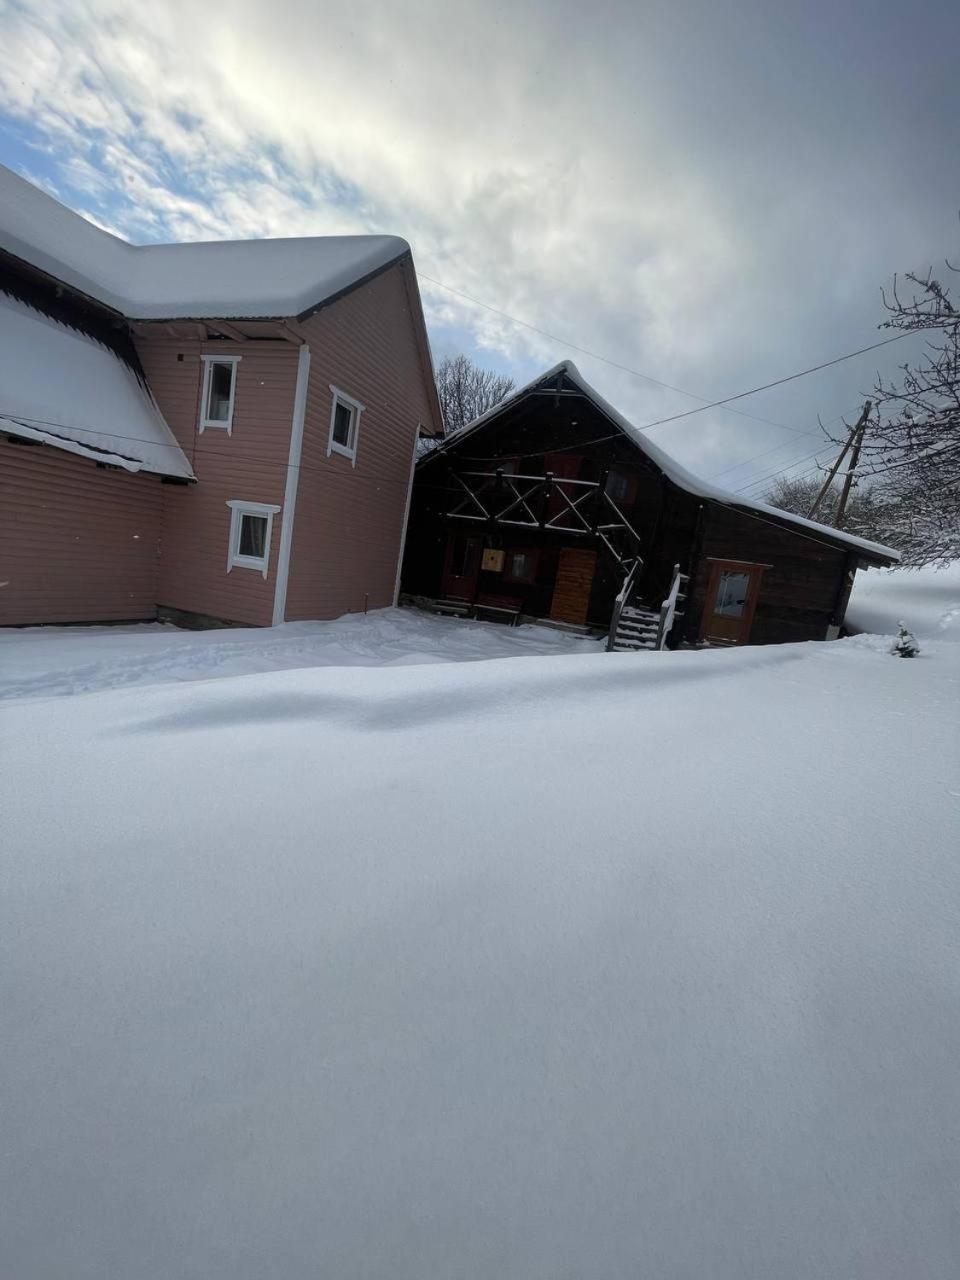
{"x":672,"y":469}
{"x":63,"y":388}
{"x":225,"y":279}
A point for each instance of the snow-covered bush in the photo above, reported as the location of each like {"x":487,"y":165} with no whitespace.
{"x":905,"y":645}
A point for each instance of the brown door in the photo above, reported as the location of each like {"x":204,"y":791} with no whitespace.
{"x":461,"y":567}
{"x":571,"y":592}
{"x":731,"y":600}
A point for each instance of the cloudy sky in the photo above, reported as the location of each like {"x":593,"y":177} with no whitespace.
{"x":704,"y":192}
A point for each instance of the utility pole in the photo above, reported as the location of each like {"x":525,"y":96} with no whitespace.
{"x":855,"y":431}
{"x":861,"y":429}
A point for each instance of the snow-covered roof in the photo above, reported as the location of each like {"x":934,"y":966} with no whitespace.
{"x":227,"y":279}
{"x":672,"y":469}
{"x":62,"y":388}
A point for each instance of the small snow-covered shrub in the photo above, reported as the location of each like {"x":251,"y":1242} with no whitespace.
{"x":905,"y":645}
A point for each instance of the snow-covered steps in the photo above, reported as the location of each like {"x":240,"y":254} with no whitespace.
{"x":637,"y":629}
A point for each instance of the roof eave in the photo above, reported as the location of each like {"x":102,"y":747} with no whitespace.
{"x":880,"y":557}
{"x":349,"y":288}
{"x":874,"y":553}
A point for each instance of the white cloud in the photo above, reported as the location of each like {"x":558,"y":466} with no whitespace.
{"x":537,"y":157}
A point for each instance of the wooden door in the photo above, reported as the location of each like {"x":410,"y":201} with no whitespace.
{"x":732,"y":592}
{"x":461,"y":567}
{"x":571,"y":592}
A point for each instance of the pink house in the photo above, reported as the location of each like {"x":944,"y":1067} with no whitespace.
{"x":218,"y":433}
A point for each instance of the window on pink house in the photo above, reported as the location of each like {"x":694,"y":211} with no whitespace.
{"x":251,"y":525}
{"x":344,"y":425}
{"x":219,"y":392}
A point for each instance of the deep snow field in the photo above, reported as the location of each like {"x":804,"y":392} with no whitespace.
{"x":39,"y":661}
{"x":565,"y":964}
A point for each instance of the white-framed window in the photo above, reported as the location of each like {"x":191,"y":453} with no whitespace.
{"x":251,"y":525}
{"x":219,"y":392}
{"x":344,"y":424}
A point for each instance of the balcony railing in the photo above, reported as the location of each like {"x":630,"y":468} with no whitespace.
{"x":548,"y":503}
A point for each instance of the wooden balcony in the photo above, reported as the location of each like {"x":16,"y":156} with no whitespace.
{"x":575,"y":509}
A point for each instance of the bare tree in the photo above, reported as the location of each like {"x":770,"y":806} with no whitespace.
{"x":913,"y":449}
{"x":866,"y":516}
{"x":466,"y":390}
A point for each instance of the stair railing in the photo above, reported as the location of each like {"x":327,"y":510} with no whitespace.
{"x":668,"y":610}
{"x":622,"y":599}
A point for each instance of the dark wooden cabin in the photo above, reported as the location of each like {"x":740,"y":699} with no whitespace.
{"x":553,"y":506}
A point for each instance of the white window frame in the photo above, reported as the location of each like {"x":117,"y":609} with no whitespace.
{"x":239,"y":509}
{"x":208,"y":361}
{"x":356,"y":408}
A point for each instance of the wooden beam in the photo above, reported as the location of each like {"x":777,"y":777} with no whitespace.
{"x":228,"y":330}
{"x":291,"y":331}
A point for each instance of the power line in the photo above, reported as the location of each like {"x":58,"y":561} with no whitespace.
{"x":784,"y":444}
{"x":232,"y":456}
{"x":724,"y":403}
{"x":659,"y":422}
{"x":817,"y":469}
{"x":762,"y":481}
{"x":783,"y":467}
{"x":801,"y":475}
{"x":593,"y":355}
{"x":778,"y":382}
{"x":258,"y":460}
{"x":712,"y":404}
{"x":787,"y":467}
{"x":735,"y":466}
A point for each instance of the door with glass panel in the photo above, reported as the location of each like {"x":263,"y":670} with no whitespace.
{"x":732,"y":593}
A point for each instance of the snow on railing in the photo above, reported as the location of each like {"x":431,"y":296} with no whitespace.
{"x":668,"y":609}
{"x":620,"y":601}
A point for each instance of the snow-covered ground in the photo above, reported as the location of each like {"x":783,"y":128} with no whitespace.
{"x":927,"y":600}
{"x":577,"y":965}
{"x":40,"y":661}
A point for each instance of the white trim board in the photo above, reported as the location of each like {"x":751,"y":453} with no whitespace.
{"x":291,"y":486}
{"x":406,"y":515}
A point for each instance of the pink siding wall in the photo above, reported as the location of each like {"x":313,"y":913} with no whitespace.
{"x":81,"y":544}
{"x":348,"y":525}
{"x":247,"y":465}
{"x":77,"y":544}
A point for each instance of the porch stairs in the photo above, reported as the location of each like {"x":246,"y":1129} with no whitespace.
{"x":637,"y":628}
{"x":634,"y":625}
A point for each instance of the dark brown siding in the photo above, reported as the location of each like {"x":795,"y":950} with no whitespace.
{"x":800,"y":587}
{"x":77,"y":543}
{"x":349,"y":520}
{"x":248,"y":465}
{"x":570,"y":439}
{"x":801,"y":594}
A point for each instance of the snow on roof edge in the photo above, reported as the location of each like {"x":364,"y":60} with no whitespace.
{"x":13,"y":427}
{"x":96,"y":403}
{"x":672,"y":469}
{"x":228,"y":279}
